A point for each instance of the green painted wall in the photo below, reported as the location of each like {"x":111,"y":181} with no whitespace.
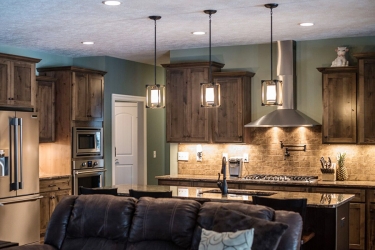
{"x":256,"y":58}
{"x":126,"y":78}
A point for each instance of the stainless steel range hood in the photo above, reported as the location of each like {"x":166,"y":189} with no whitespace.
{"x":286,"y":115}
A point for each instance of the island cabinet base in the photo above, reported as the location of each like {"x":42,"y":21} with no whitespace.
{"x":331,"y":227}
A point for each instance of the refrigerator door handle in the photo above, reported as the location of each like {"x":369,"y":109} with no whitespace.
{"x":13,"y":153}
{"x":20,"y":185}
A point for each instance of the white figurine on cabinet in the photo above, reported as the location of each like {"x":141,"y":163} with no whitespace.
{"x":340,"y":61}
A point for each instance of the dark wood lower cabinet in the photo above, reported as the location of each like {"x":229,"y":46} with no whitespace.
{"x":52,"y":190}
{"x":357,"y":226}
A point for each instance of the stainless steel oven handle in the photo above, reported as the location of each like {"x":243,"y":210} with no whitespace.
{"x":90,"y":172}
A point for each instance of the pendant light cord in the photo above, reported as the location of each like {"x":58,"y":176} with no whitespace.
{"x":155,"y":55}
{"x":210,"y":71}
{"x":271,"y":45}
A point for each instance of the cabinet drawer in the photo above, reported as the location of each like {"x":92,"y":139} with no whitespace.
{"x":174,"y":183}
{"x":274,"y":188}
{"x":360,"y":195}
{"x":55,"y":184}
{"x":213,"y":184}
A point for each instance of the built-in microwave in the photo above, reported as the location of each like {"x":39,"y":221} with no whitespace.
{"x":87,"y":141}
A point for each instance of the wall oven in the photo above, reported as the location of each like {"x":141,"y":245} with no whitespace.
{"x":87,"y":141}
{"x":88,"y":173}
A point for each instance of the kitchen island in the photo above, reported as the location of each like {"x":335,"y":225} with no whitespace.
{"x":361,"y":207}
{"x":327,"y":214}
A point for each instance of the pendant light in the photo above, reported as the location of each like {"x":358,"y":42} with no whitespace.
{"x":272,"y":89}
{"x":210,"y":92}
{"x":155,"y":94}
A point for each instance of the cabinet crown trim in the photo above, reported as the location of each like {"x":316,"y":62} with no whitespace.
{"x":20,"y":58}
{"x":364,"y":55}
{"x":72,"y":68}
{"x":338,"y":69}
{"x":193,"y":64}
{"x":233,"y":74}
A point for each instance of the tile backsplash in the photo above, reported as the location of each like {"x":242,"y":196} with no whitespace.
{"x":267,"y":157}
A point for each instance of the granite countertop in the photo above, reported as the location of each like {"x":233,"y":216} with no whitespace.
{"x":213,"y":194}
{"x":320,"y":183}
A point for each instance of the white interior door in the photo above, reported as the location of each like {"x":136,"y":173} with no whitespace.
{"x":126,"y":153}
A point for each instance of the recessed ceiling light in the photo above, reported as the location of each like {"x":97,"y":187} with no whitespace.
{"x":113,"y":3}
{"x":306,"y":24}
{"x":198,"y":33}
{"x":87,"y":43}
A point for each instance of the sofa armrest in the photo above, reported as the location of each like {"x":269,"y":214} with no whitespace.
{"x":291,"y":239}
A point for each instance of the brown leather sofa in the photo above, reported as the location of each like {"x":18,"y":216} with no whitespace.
{"x":115,"y":222}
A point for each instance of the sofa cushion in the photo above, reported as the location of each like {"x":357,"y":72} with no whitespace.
{"x":209,"y":209}
{"x":164,"y":219}
{"x":101,"y":216}
{"x":267,"y":234}
{"x":211,"y":240}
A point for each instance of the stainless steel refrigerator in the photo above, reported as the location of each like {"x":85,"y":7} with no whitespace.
{"x":19,"y":177}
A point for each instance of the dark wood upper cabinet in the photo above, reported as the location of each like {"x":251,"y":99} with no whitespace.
{"x":235,"y":110}
{"x":366,"y":98}
{"x":339,"y":104}
{"x":83,"y":91}
{"x":45,"y":106}
{"x":187,"y":121}
{"x":88,"y":91}
{"x":17,"y":81}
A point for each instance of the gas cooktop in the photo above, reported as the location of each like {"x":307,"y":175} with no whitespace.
{"x":282,"y":178}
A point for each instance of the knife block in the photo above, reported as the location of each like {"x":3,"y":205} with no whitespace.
{"x":329,"y":176}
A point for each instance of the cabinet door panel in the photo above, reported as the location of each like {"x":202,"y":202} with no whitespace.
{"x":44,"y":212}
{"x":196,"y":119}
{"x":366,"y":101}
{"x":22,"y":81}
{"x":228,"y":122}
{"x":45,"y":106}
{"x":339,"y":107}
{"x":79,"y":108}
{"x":357,"y":226}
{"x":95,"y":98}
{"x":176,"y":104}
{"x":4,"y":81}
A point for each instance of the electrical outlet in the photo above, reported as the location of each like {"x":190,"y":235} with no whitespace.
{"x":245,"y":157}
{"x":183,"y":156}
{"x":183,"y":192}
{"x":225,"y":155}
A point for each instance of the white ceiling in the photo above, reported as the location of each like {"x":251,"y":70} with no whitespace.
{"x":125,"y":31}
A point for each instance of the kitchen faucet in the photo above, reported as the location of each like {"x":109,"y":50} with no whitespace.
{"x":223,"y":184}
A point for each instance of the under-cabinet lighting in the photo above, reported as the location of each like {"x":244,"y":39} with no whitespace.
{"x":306,"y":24}
{"x":198,"y":33}
{"x":88,"y":43}
{"x":111,"y":3}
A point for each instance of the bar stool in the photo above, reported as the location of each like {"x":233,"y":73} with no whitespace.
{"x":155,"y":194}
{"x":295,"y":205}
{"x":84,"y":190}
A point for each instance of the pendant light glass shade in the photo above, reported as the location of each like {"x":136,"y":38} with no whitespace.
{"x":210,"y":95}
{"x":155,"y":94}
{"x":272,"y":92}
{"x":272,"y":89}
{"x":210,"y":92}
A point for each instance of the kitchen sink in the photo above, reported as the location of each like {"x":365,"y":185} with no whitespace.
{"x":241,"y":192}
